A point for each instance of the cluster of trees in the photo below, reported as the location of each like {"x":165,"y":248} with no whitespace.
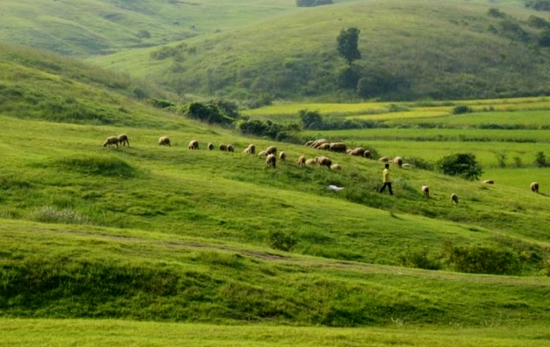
{"x":539,"y":5}
{"x":312,"y":120}
{"x":512,"y":28}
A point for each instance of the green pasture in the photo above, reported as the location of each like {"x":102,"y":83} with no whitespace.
{"x":17,"y":332}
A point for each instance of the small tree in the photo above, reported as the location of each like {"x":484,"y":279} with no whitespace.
{"x":310,"y":119}
{"x":464,"y":165}
{"x":348,"y":44}
{"x":540,"y":159}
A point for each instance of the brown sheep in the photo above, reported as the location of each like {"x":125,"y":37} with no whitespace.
{"x":302,"y":161}
{"x":336,"y":167}
{"x":454,"y":198}
{"x":282,"y":157}
{"x":535,"y":187}
{"x":210,"y":146}
{"x":223,"y":147}
{"x":311,"y":162}
{"x":309,"y":143}
{"x":123,"y":140}
{"x":271,"y":150}
{"x":349,"y":150}
{"x":384,"y":159}
{"x":359,"y":152}
{"x":324,"y":147}
{"x":194,"y":144}
{"x":367,"y":154}
{"x":426,"y":191}
{"x":324,"y":161}
{"x":111,"y":140}
{"x":262,"y":154}
{"x":398,"y":161}
{"x":164,"y":141}
{"x":338,"y":147}
{"x":488,"y":182}
{"x":230,"y":148}
{"x":271,"y":160}
{"x":318,"y":143}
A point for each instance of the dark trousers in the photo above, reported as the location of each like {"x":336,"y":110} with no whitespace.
{"x":387,"y":184}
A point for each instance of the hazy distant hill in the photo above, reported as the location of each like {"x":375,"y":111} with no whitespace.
{"x":411,"y":49}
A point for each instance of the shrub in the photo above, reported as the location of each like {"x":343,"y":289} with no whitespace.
{"x":420,"y":259}
{"x":284,"y":241}
{"x":539,"y":5}
{"x":483,"y":259}
{"x":420,"y":163}
{"x":464,"y":165}
{"x":495,"y":12}
{"x":310,"y":119}
{"x":537,"y":22}
{"x":460,"y":109}
{"x":206,"y":112}
{"x":540,"y":160}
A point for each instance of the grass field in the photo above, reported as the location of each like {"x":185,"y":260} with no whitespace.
{"x":119,"y":333}
{"x":165,"y":234}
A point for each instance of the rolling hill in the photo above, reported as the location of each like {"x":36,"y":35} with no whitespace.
{"x":168,"y":234}
{"x":410,"y":50}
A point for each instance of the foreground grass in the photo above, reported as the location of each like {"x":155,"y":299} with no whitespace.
{"x":17,"y":332}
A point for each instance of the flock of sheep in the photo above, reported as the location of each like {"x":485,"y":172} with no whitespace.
{"x":271,"y":156}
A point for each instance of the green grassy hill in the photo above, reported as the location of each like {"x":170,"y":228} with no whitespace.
{"x":423,"y":49}
{"x":168,"y":234}
{"x":86,"y":27}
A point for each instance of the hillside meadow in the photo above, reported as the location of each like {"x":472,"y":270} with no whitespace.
{"x":108,"y":241}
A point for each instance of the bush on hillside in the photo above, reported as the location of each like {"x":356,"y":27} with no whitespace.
{"x":537,"y":22}
{"x":495,"y":12}
{"x":313,"y":3}
{"x":420,"y":259}
{"x":539,"y":5}
{"x":543,"y":38}
{"x":310,"y":119}
{"x":483,"y":259}
{"x":463,"y":165}
{"x":540,"y":159}
{"x":211,"y":112}
{"x":460,"y":109}
{"x":284,"y":241}
{"x":267,"y":128}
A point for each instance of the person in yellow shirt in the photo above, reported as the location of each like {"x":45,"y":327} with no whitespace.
{"x":386,"y":179}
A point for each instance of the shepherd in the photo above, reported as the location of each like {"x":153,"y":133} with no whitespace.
{"x":386,"y":179}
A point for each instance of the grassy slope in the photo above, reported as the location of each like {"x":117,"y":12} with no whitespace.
{"x":158,"y":233}
{"x":100,"y":333}
{"x":84,"y":27}
{"x":442,"y":48}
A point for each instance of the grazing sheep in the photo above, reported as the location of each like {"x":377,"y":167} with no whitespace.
{"x":406,"y":166}
{"x":338,"y":147}
{"x":384,"y":159}
{"x":223,"y":147}
{"x":251,"y":149}
{"x":302,"y":161}
{"x":282,"y":157}
{"x":317,"y":143}
{"x":454,"y":198}
{"x":111,"y":140}
{"x":271,"y":160}
{"x":367,"y":154}
{"x":324,"y":161}
{"x":324,"y":147}
{"x":164,"y":141}
{"x":123,"y":140}
{"x":309,"y":143}
{"x":271,"y":150}
{"x":311,"y":162}
{"x":398,"y":161}
{"x":349,"y":150}
{"x":488,"y":182}
{"x":210,"y":146}
{"x":194,"y":144}
{"x":230,"y":148}
{"x":359,"y":152}
{"x":426,"y":191}
{"x":535,"y":187}
{"x":336,"y":167}
{"x":262,"y":154}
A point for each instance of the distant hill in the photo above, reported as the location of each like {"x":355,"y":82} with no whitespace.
{"x":422,"y":49}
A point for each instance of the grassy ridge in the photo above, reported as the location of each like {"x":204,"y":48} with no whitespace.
{"x":438,"y":49}
{"x":89,"y":272}
{"x":117,"y":333}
